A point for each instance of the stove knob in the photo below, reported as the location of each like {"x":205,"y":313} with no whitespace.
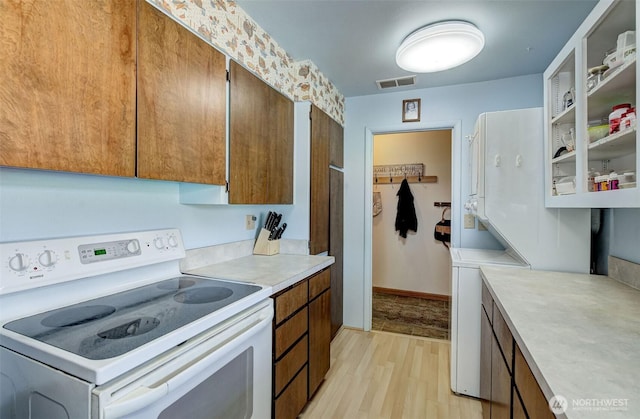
{"x":47,"y":258}
{"x":173,"y":242}
{"x":19,"y":262}
{"x":158,"y":243}
{"x":133,"y":246}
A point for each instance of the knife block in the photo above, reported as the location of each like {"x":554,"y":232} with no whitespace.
{"x":264,"y":246}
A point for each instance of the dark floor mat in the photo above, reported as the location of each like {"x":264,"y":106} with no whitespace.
{"x":410,"y":316}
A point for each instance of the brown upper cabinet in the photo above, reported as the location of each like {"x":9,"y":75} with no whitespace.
{"x":319,"y":211}
{"x":68,"y":88}
{"x":181,"y":103}
{"x":260,"y":141}
{"x":326,"y":149}
{"x":336,"y":144}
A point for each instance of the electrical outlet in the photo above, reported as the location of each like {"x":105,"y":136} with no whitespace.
{"x":250,"y":222}
{"x":469,"y":221}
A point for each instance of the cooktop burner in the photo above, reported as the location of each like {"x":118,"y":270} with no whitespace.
{"x":77,"y":315}
{"x":203,"y":295}
{"x":110,"y":326}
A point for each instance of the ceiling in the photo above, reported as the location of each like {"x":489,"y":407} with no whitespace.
{"x":353,"y":42}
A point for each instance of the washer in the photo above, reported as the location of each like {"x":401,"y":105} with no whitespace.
{"x":466,"y":303}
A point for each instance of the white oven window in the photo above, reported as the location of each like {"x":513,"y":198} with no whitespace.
{"x":226,"y":394}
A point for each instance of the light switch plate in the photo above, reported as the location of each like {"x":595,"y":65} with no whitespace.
{"x":469,"y":221}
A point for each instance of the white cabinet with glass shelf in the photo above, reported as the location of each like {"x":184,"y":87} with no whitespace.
{"x":616,"y":152}
{"x":561,"y":113}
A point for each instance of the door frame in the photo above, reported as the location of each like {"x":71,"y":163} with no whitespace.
{"x":456,"y":168}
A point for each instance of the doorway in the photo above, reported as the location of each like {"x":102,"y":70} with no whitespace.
{"x":411,"y":276}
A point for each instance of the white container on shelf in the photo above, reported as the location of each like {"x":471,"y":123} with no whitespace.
{"x":626,"y":45}
{"x":566,"y":185}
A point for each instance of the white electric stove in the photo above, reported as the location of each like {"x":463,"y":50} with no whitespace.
{"x":107,"y":326}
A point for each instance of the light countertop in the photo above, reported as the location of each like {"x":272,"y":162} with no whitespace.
{"x":580,"y":335}
{"x":277,"y":271}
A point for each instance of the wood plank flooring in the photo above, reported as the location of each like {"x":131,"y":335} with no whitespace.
{"x":387,"y":375}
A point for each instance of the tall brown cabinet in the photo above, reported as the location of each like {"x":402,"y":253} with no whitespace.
{"x":327,"y":197}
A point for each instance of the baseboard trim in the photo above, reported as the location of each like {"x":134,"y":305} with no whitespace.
{"x":416,"y":294}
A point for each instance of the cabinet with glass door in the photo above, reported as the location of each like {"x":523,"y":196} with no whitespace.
{"x":600,"y":127}
{"x":562,"y":128}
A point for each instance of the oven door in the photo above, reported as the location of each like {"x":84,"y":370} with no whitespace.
{"x":222,"y":373}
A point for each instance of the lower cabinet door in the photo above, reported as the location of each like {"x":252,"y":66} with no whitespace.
{"x":319,"y":340}
{"x":518,"y":408}
{"x":533,"y":398}
{"x":486,"y":339}
{"x":500,"y":385}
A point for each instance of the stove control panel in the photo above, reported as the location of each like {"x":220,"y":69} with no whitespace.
{"x":26,"y":265}
{"x":90,"y":253}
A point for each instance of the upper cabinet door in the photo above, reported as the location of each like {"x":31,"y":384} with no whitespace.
{"x":319,"y":210}
{"x":260,"y":141}
{"x":336,"y":144}
{"x":181,"y":103}
{"x":68,"y":85}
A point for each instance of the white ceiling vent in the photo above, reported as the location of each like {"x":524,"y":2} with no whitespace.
{"x":399,"y":82}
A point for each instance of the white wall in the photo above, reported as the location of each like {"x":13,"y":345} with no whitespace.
{"x":418,"y":263}
{"x":41,"y":204}
{"x":443,"y":107}
{"x":625,"y":231}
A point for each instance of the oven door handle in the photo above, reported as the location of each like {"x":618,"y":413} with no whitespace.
{"x":215,"y":348}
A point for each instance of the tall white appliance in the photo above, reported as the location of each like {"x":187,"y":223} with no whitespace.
{"x":507,"y":196}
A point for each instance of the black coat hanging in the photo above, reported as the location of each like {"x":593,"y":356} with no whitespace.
{"x":406,"y":217}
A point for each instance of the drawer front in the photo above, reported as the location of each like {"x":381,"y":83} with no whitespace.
{"x":293,"y":398}
{"x":319,"y":283}
{"x":289,"y":332}
{"x":287,"y":302}
{"x":535,"y":404}
{"x":487,"y":302}
{"x":505,"y":339}
{"x":291,"y":363}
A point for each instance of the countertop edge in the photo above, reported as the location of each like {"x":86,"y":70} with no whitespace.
{"x":288,"y":279}
{"x":300,"y":276}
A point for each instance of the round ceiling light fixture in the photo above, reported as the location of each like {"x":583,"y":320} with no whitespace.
{"x":439,"y":46}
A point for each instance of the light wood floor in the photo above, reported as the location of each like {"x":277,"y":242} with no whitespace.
{"x":387,"y":375}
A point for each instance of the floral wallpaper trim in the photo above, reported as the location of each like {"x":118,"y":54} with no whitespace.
{"x":230,"y":29}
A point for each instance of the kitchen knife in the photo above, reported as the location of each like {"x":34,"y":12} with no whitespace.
{"x":273,"y":235}
{"x":269,"y":220}
{"x":280,"y":231}
{"x":278,"y":219}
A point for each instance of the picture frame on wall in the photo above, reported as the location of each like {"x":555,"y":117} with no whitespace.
{"x":411,"y":110}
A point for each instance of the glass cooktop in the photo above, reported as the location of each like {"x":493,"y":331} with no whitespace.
{"x":110,"y":326}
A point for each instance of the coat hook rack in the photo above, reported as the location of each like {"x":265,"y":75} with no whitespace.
{"x":413,"y":173}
